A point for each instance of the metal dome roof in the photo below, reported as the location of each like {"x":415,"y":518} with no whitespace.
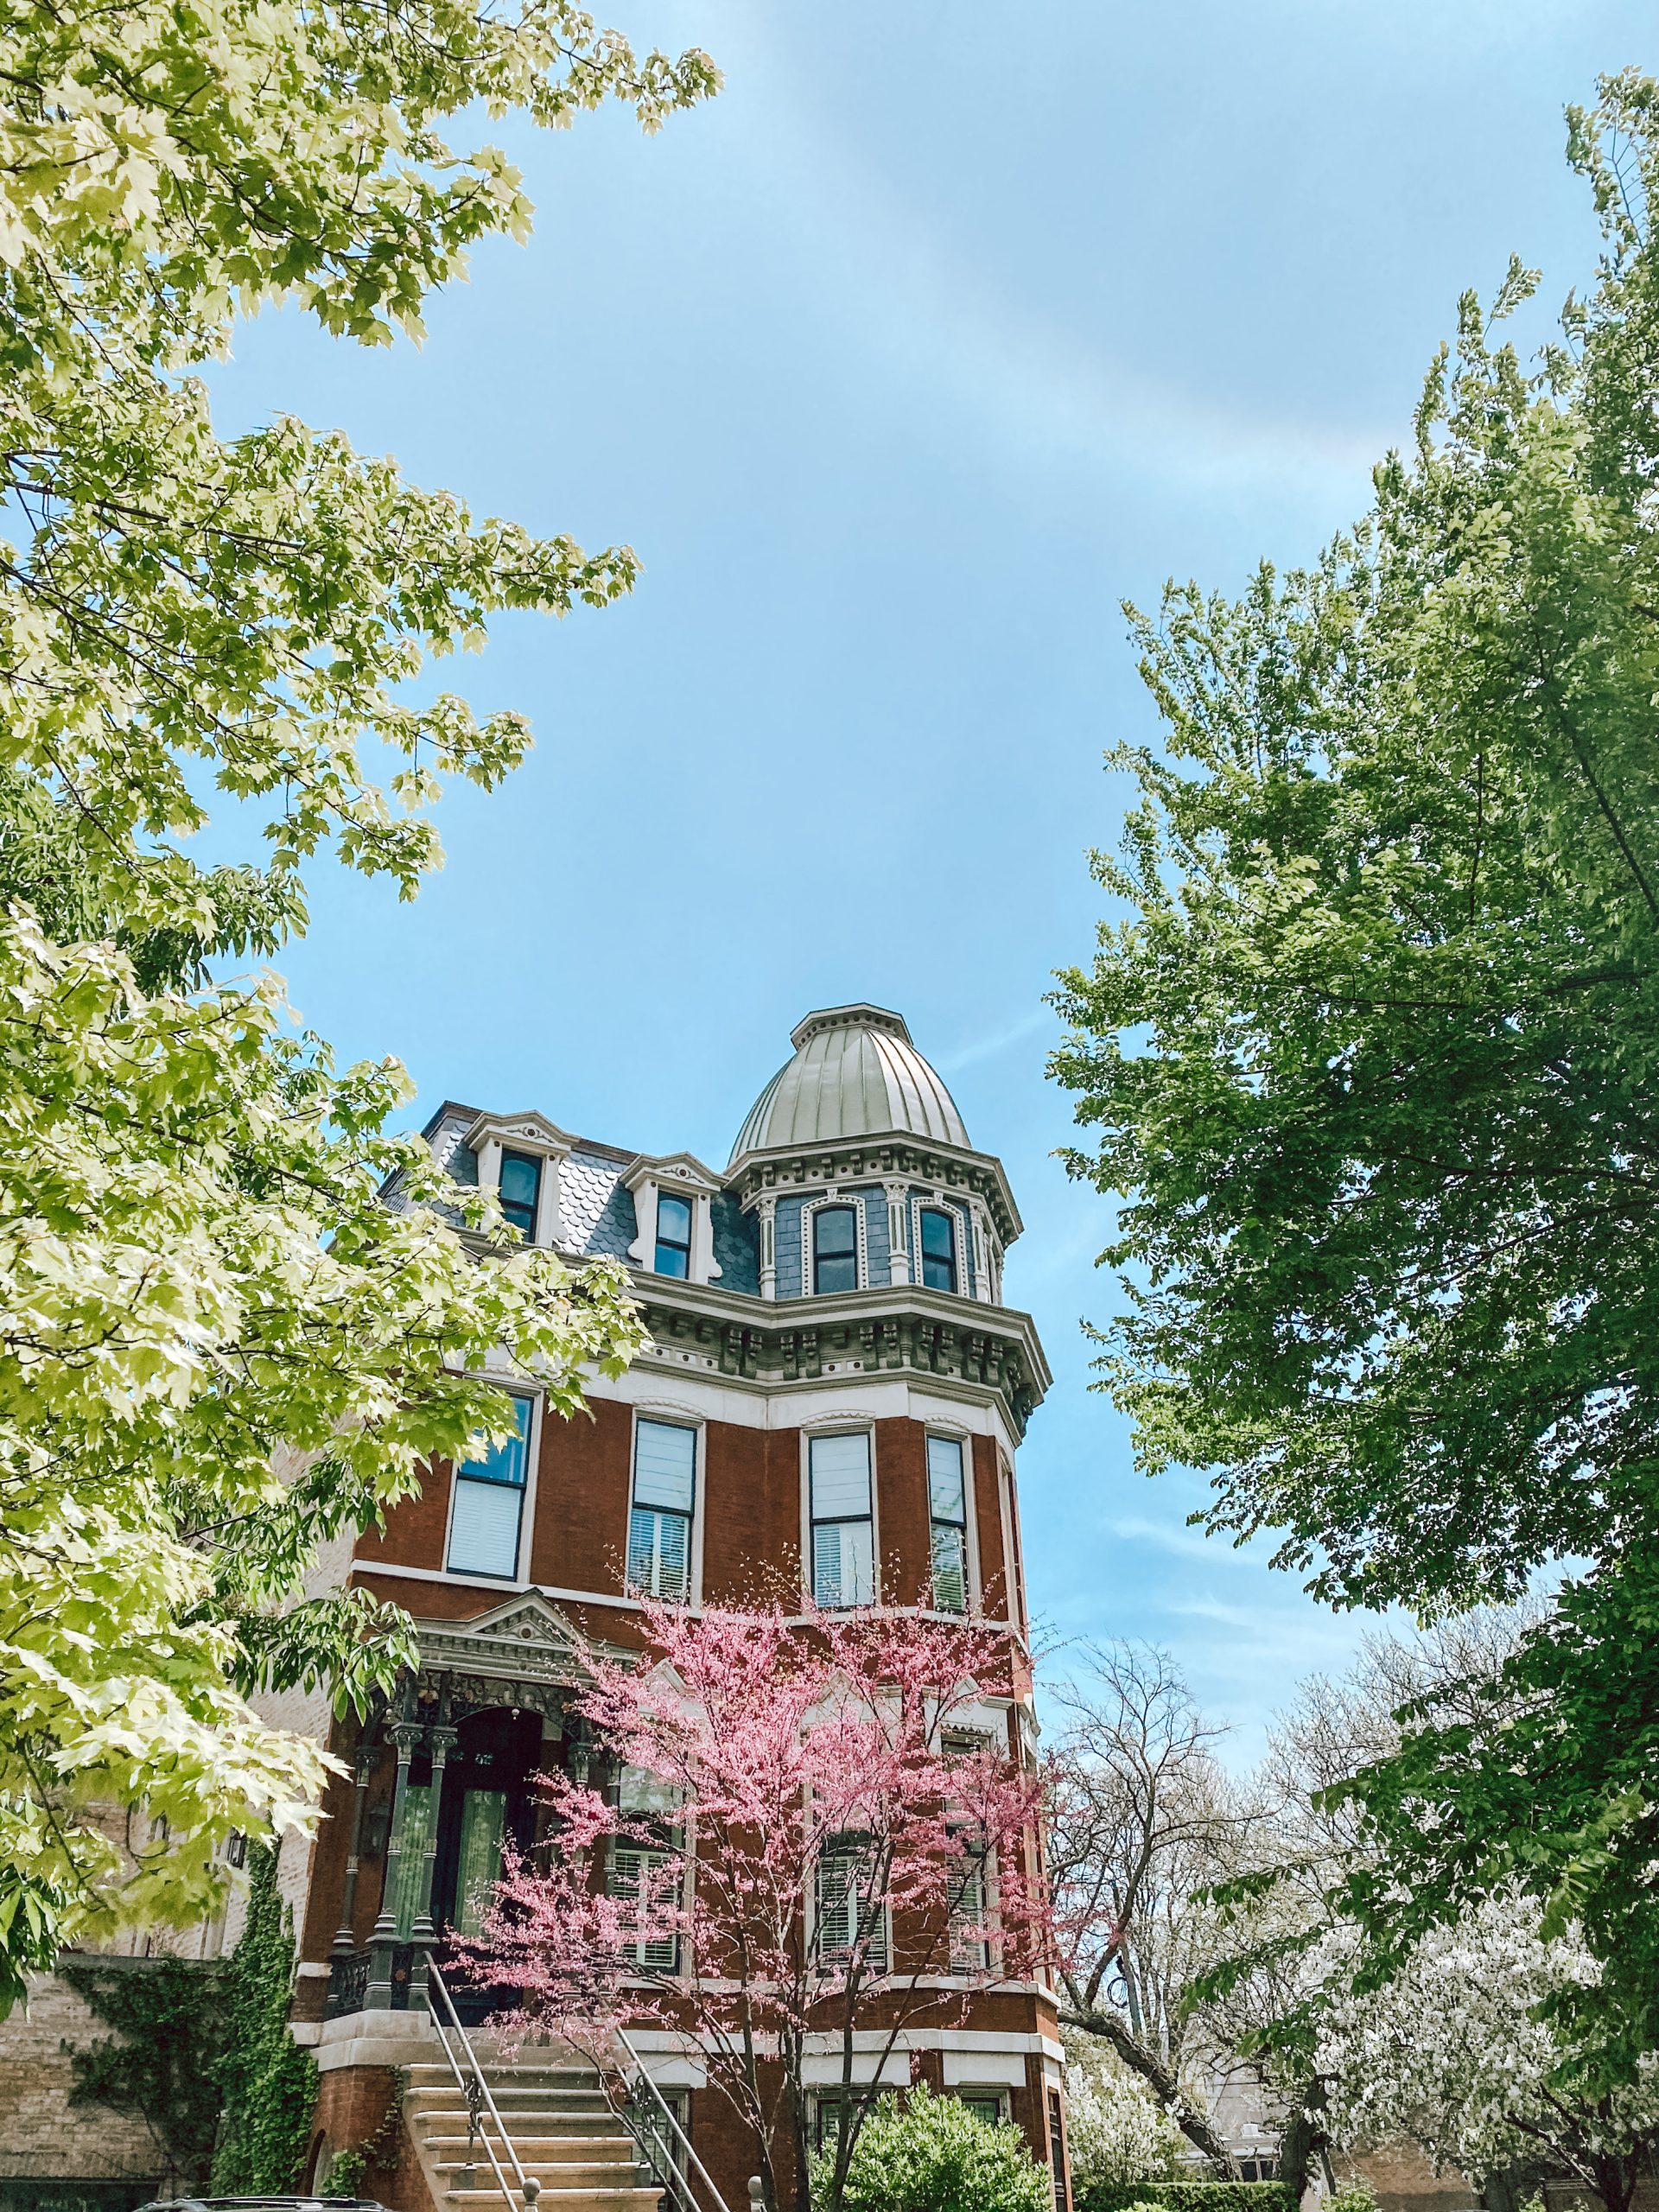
{"x":854,"y":1074}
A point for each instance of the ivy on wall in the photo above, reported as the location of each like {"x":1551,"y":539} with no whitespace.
{"x":162,"y":2063}
{"x":268,"y":2083}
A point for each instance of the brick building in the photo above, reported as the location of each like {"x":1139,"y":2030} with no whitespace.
{"x":831,"y":1400}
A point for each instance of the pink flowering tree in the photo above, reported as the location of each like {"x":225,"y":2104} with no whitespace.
{"x":801,"y":1834}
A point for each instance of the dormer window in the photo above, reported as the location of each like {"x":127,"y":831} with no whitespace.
{"x":834,"y":1249}
{"x":673,"y":1236}
{"x":521,"y":1192}
{"x":938,"y":1249}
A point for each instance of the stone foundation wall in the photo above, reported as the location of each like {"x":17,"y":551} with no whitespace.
{"x":44,"y":2138}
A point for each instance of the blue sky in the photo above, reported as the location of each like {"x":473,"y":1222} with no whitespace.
{"x":942,"y":330}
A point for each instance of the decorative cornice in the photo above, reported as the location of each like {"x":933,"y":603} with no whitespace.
{"x":528,"y":1128}
{"x":892,"y":1330}
{"x":682,"y":1170}
{"x":878,"y":1159}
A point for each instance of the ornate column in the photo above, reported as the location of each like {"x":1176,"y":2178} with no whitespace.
{"x":406,"y":1732}
{"x":983,"y":1287}
{"x":440,"y":1738}
{"x":766,"y":1208}
{"x":345,"y":1943}
{"x":897,"y":1232}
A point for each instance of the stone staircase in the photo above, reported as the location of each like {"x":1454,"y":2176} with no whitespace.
{"x":559,"y":2122}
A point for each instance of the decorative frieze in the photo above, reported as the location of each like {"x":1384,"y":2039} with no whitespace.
{"x":998,"y":1352}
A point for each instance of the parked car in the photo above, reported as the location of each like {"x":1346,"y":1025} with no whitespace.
{"x":262,"y":2204}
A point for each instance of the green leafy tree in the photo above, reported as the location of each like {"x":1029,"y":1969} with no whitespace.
{"x":218,"y":1347}
{"x":161,"y":2064}
{"x":268,"y":2083}
{"x":931,"y":2154}
{"x":1370,"y":1057}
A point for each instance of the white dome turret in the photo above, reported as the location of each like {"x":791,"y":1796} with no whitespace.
{"x":855,"y":1073}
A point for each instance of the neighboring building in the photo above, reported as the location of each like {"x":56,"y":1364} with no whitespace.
{"x":832,"y":1399}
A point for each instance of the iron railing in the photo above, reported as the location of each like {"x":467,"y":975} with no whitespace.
{"x":646,"y":2114}
{"x":475,"y":2089}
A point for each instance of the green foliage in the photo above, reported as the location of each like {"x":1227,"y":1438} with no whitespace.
{"x":1189,"y":2197}
{"x":1356,"y":2197}
{"x":220,"y":1347}
{"x":1373,"y":1057}
{"x":161,"y":2064}
{"x":931,"y":2154}
{"x":269,"y":2083}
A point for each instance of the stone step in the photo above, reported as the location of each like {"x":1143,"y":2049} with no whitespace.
{"x":549,"y":2075}
{"x":564,"y":2173}
{"x":601,"y":2119}
{"x":557,"y":2147}
{"x":577,"y":2102}
{"x":567,"y":2200}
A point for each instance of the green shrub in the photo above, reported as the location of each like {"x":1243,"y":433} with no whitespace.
{"x":1184,"y":2196}
{"x":269,"y":2083}
{"x":1356,"y":2197}
{"x":931,"y":2154}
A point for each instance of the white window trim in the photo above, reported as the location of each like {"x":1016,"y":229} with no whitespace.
{"x":520,"y":1579}
{"x":839,"y":1428}
{"x":647,"y":1188}
{"x":943,"y":1202}
{"x":537,"y":1139}
{"x":672,"y":1417}
{"x":861,"y":1239}
{"x":963,"y":1438}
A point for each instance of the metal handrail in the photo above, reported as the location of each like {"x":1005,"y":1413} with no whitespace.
{"x":476,"y":2091}
{"x":666,"y":2110}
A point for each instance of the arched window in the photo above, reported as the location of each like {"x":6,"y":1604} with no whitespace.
{"x":673,"y":1236}
{"x":834,"y":1249}
{"x":520,"y":1192}
{"x":938,"y":1249}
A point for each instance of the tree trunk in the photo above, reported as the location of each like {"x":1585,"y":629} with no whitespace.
{"x":1303,"y":2140}
{"x":1614,"y":2181}
{"x":1187,"y":2115}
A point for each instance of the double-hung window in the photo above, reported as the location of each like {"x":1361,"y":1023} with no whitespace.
{"x":664,"y":1499}
{"x":634,"y":1873}
{"x":849,"y":1918}
{"x":947,"y":1513}
{"x":520,"y":1192}
{"x":486,"y":1519}
{"x":834,"y":1249}
{"x":843,"y":1533}
{"x":673,"y":1236}
{"x":969,"y":1900}
{"x":938,"y":1249}
{"x":638,"y":1871}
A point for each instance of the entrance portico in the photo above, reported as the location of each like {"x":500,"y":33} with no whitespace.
{"x":444,"y":1780}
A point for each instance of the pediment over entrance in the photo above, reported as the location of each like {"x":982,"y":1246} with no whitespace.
{"x":523,"y":1640}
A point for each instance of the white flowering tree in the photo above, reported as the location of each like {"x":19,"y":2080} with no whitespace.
{"x":1452,"y":2055}
{"x":197,"y":1281}
{"x":1118,"y":2133}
